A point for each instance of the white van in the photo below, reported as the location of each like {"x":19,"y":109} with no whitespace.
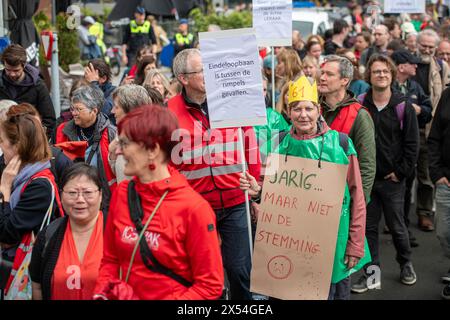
{"x":310,"y":21}
{"x":316,"y":20}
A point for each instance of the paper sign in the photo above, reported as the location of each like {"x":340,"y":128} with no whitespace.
{"x":233,"y":78}
{"x":272,"y":20}
{"x":404,"y":6}
{"x":297,"y":228}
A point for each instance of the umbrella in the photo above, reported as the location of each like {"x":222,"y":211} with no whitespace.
{"x":125,"y":8}
{"x":22,"y":27}
{"x":166,"y":7}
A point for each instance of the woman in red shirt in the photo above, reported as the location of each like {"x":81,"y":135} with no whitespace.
{"x":178,"y":254}
{"x":67,"y":254}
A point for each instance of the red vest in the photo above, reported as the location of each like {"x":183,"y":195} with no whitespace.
{"x":210,"y":158}
{"x":104,"y":144}
{"x":345,"y":118}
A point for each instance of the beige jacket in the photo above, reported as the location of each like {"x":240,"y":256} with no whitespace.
{"x":437,"y":85}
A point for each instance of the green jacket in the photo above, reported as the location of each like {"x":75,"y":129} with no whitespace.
{"x":332,"y":152}
{"x":264,"y":134}
{"x":362,"y":134}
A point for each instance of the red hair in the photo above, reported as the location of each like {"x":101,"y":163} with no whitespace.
{"x":150,"y":125}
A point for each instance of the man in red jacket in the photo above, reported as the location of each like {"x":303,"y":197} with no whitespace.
{"x":210,"y":160}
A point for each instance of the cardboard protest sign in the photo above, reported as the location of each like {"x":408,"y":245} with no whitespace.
{"x":272,"y":20}
{"x":233,"y":78}
{"x":297,"y":228}
{"x":404,"y":6}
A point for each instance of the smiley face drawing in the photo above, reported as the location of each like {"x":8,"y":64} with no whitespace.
{"x":279,"y":267}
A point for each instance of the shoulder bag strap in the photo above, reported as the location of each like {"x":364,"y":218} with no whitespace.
{"x":136,"y":214}
{"x":143,"y":229}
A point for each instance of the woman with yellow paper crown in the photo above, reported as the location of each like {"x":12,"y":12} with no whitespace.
{"x":310,"y":137}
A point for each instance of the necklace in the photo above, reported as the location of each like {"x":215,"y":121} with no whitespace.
{"x":83,"y":136}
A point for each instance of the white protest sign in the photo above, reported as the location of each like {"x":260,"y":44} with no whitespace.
{"x":404,"y":6}
{"x":272,"y":20}
{"x":233,"y":78}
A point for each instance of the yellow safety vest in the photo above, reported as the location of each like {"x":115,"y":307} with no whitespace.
{"x":184,"y":40}
{"x":97,"y":30}
{"x":144,"y":28}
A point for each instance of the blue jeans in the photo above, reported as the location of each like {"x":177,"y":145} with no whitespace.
{"x":232,"y":227}
{"x":442,"y":217}
{"x":340,"y":290}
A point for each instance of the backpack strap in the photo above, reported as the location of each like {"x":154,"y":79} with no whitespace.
{"x":400,"y":112}
{"x":136,"y":214}
{"x":343,"y":141}
{"x":361,"y":98}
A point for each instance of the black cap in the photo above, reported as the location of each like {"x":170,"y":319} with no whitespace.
{"x":404,"y":56}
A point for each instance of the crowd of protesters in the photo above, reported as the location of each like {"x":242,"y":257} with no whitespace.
{"x":117,"y":200}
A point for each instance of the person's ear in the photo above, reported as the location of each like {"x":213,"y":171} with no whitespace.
{"x":345,"y":81}
{"x":95,"y":111}
{"x":182,"y":79}
{"x":154,"y":153}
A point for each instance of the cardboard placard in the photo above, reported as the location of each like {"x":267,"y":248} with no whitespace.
{"x":297,"y":228}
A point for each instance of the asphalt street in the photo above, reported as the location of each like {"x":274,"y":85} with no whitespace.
{"x":429,"y":264}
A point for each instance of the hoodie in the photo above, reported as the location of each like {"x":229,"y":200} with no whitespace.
{"x":32,"y":90}
{"x":397,"y":149}
{"x":182,"y":236}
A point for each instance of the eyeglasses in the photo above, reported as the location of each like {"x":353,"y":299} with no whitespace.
{"x":193,"y":72}
{"x":75,"y":110}
{"x":380,"y":72}
{"x":87,"y":195}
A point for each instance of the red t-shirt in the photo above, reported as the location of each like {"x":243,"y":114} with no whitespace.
{"x":72,"y":279}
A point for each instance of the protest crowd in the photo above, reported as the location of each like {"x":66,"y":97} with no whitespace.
{"x":131,"y":195}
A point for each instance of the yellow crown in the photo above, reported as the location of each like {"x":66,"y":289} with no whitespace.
{"x":303,"y":90}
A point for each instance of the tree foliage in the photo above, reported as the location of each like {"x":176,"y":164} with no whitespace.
{"x":235,"y":20}
{"x":69,"y":53}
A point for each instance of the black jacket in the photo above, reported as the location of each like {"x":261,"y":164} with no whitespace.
{"x":45,"y":255}
{"x":33,"y":91}
{"x":397,"y":149}
{"x":439,"y":140}
{"x":417,"y":95}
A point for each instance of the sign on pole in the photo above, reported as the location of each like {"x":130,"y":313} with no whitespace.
{"x":47,"y":44}
{"x":272,"y":20}
{"x":233,"y":78}
{"x":404,"y":6}
{"x":297,"y":228}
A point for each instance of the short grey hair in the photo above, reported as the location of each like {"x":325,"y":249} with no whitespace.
{"x":131,"y":96}
{"x":181,"y":59}
{"x":429,"y":33}
{"x":345,"y":66}
{"x":92,"y":97}
{"x":4,"y":107}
